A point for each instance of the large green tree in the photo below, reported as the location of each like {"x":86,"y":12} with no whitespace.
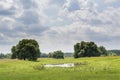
{"x":26,"y":49}
{"x":85,"y":49}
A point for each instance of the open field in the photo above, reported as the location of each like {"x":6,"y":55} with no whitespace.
{"x":94,"y":68}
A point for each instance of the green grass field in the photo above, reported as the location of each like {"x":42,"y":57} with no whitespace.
{"x":94,"y":68}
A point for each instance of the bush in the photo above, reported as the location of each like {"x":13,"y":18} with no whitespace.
{"x":57,"y":55}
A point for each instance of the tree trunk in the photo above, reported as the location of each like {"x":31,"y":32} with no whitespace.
{"x":24,"y":58}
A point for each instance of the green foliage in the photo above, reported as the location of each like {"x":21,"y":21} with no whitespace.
{"x":7,"y":56}
{"x":26,"y":49}
{"x":2,"y":56}
{"x":57,"y":55}
{"x":13,"y":50}
{"x":115,"y":52}
{"x":44,"y":55}
{"x":77,"y":50}
{"x":68,"y":54}
{"x":88,"y":49}
{"x":110,"y":53}
{"x":103,"y":51}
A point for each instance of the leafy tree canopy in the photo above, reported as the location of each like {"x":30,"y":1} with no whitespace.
{"x":26,"y":49}
{"x":88,"y":49}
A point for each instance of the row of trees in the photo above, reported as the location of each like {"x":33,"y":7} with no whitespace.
{"x":2,"y":55}
{"x":114,"y":52}
{"x":45,"y":55}
{"x":26,"y":49}
{"x":29,"y":49}
{"x":88,"y":49}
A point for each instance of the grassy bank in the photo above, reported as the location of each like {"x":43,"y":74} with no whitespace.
{"x":94,"y":68}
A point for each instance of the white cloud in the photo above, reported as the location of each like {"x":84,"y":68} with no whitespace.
{"x":57,"y":24}
{"x":110,"y":1}
{"x":6,"y":4}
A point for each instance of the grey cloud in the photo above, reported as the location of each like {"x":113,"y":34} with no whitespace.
{"x":97,"y":36}
{"x":4,"y":40}
{"x":57,"y":2}
{"x":74,"y":5}
{"x":29,"y":17}
{"x":27,"y":4}
{"x":63,"y":30}
{"x":23,"y":31}
{"x":6,"y":12}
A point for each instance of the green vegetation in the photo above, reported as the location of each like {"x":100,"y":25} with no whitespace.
{"x":102,"y":51}
{"x":88,"y":49}
{"x":24,"y":64}
{"x":114,"y":52}
{"x":94,"y":68}
{"x":56,"y":54}
{"x":68,"y":54}
{"x":44,"y":55}
{"x":26,"y":49}
{"x":3,"y":56}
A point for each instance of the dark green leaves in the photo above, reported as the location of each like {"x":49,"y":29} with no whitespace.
{"x":26,"y":49}
{"x":88,"y":49}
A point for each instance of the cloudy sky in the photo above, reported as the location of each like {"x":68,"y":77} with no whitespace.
{"x":59,"y":24}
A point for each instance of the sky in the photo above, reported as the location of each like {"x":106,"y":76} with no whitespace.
{"x":59,"y":24}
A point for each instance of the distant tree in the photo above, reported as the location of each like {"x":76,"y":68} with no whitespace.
{"x":115,"y":52}
{"x":57,"y":55}
{"x":8,"y":55}
{"x":103,"y":51}
{"x":50,"y":54}
{"x":110,"y":53}
{"x":3,"y":55}
{"x":26,"y":49}
{"x":68,"y":54}
{"x":85,"y":49}
{"x":44,"y":55}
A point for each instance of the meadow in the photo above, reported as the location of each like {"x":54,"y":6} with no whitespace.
{"x":93,"y":68}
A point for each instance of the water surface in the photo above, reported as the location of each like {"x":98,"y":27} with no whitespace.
{"x":60,"y":65}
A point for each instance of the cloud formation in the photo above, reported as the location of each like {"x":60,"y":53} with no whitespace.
{"x":59,"y":24}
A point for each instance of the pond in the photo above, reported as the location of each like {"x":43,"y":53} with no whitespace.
{"x":60,"y":65}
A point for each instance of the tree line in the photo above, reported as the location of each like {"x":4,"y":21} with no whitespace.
{"x":29,"y":49}
{"x":7,"y":56}
{"x":114,"y":52}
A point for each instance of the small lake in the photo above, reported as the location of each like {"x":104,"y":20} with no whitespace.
{"x":60,"y":65}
